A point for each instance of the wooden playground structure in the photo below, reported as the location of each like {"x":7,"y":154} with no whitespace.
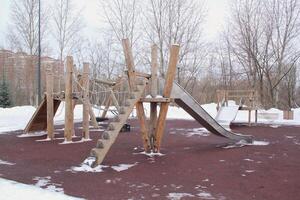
{"x":78,"y":92}
{"x":139,"y":88}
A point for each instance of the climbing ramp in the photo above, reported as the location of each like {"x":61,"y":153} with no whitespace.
{"x":38,"y":121}
{"x":191,"y":106}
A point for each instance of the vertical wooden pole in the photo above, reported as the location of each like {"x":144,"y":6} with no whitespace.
{"x":50,"y":106}
{"x":86,"y":104}
{"x":154,"y":89}
{"x":154,"y":68}
{"x":130,"y":64}
{"x":69,"y":115}
{"x":143,"y":127}
{"x":167,"y":92}
{"x":132,"y":84}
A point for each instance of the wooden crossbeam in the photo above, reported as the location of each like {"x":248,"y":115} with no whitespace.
{"x":157,"y":100}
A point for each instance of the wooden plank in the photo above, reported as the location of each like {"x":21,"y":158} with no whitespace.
{"x":143,"y":127}
{"x":86,"y":102}
{"x":69,"y":115}
{"x":167,"y":92}
{"x":50,"y":104}
{"x":157,"y":100}
{"x":143,"y":75}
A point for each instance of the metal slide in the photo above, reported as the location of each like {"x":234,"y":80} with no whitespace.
{"x":191,"y":106}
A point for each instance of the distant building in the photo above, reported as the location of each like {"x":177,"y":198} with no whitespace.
{"x":19,"y":69}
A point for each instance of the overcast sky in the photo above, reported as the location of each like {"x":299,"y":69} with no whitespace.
{"x":217,"y":12}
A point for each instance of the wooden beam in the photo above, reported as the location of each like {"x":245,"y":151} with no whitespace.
{"x":69,"y":115}
{"x":50,"y":104}
{"x":156,"y":100}
{"x":86,"y":102}
{"x":105,"y":82}
{"x":144,"y":75}
{"x":143,"y":127}
{"x":167,"y":92}
{"x":154,"y":69}
{"x":129,"y":63}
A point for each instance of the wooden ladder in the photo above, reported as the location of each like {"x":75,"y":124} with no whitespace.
{"x":110,"y":135}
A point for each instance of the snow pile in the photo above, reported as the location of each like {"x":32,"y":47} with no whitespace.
{"x":16,"y":118}
{"x":14,"y":191}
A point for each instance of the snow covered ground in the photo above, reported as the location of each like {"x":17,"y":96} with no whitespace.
{"x":14,"y":191}
{"x":16,"y":118}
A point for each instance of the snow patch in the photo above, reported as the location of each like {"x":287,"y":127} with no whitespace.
{"x":243,"y":143}
{"x":45,"y":182}
{"x":33,"y":134}
{"x":205,"y":195}
{"x":14,"y":191}
{"x":178,"y":196}
{"x":151,"y":154}
{"x":122,"y":167}
{"x":3,"y":162}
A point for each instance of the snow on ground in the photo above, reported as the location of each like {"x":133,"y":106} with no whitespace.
{"x":3,"y":162}
{"x":123,"y":167}
{"x":16,"y":118}
{"x":14,"y":191}
{"x":85,"y":167}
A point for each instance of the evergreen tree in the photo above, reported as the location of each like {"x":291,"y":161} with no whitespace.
{"x":4,"y":95}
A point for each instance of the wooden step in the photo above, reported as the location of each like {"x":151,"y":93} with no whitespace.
{"x":114,"y":128}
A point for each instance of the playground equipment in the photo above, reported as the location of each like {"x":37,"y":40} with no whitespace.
{"x":136,"y":93}
{"x":247,"y":100}
{"x":77,"y":91}
{"x":152,"y":133}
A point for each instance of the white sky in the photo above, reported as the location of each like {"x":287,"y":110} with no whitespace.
{"x":217,"y":11}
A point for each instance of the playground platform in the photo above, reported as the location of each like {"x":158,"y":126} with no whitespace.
{"x":194,"y":165}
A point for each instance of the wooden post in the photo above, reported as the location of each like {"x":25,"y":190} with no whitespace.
{"x":130,"y":64}
{"x":50,"y":106}
{"x":154,"y":88}
{"x":167,"y":92}
{"x":69,"y":115}
{"x":154,"y":67}
{"x":143,"y":127}
{"x":86,"y":104}
{"x":132,"y":84}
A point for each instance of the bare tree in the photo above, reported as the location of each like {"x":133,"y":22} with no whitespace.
{"x":67,"y":24}
{"x":23,"y":35}
{"x":122,"y":15}
{"x":177,"y":21}
{"x":262,"y":37}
